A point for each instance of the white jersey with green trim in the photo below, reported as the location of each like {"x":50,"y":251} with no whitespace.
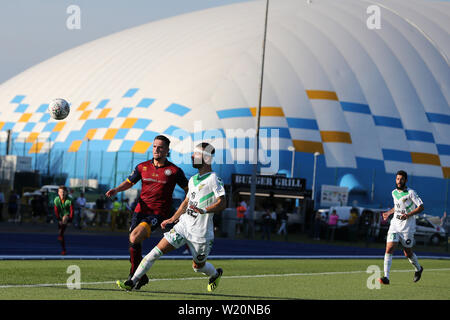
{"x":405,"y":201}
{"x":203,"y":191}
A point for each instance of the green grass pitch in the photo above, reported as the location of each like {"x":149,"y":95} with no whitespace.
{"x":325,"y":279}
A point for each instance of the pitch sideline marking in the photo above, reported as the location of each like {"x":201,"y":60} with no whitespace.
{"x":224,"y":277}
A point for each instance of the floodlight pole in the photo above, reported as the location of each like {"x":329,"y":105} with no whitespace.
{"x":258,"y":120}
{"x":85,"y":166}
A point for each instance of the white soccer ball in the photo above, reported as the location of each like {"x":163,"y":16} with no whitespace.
{"x":59,"y":109}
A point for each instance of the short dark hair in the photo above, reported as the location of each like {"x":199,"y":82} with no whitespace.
{"x":64,"y":188}
{"x":402,"y":173}
{"x":207,"y":147}
{"x":163,"y":138}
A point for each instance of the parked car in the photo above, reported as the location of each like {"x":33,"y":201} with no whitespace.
{"x":428,"y":232}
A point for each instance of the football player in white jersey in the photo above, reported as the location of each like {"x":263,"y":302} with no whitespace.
{"x":194,"y":221}
{"x":403,"y":225}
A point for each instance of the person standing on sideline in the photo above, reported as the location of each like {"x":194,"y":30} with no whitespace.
{"x":195,"y":227}
{"x":80,"y":204}
{"x":332,"y":225}
{"x":159,"y":177}
{"x":283,"y":226}
{"x":240,"y":214}
{"x":13,"y":206}
{"x":267,"y":223}
{"x":317,"y":225}
{"x":63,"y":205}
{"x":403,"y":225}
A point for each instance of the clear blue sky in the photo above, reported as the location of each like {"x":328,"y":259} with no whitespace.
{"x":32,"y":31}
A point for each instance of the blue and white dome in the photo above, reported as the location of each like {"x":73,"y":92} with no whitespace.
{"x":365,"y":99}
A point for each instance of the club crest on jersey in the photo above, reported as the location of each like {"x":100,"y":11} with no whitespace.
{"x":144,"y":168}
{"x":200,"y":187}
{"x":167,"y":172}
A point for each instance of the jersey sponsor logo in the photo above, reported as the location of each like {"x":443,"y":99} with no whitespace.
{"x":190,"y":211}
{"x":153,"y":180}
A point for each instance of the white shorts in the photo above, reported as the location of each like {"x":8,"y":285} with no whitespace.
{"x":405,"y":238}
{"x":199,"y":251}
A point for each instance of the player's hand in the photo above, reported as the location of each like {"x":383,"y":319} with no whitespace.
{"x":385,"y":215}
{"x":198,"y":210}
{"x":404,"y":216}
{"x":165,"y":223}
{"x":111,"y":193}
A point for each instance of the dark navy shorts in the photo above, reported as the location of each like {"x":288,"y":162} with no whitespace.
{"x":152,"y":220}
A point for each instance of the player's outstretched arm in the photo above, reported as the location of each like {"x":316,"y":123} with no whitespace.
{"x":122,"y":187}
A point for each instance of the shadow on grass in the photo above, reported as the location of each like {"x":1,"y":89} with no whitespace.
{"x":193,"y":294}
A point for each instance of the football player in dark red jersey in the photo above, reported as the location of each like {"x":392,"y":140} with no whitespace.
{"x":159,"y":177}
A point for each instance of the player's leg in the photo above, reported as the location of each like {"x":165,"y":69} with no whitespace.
{"x":62,"y":225}
{"x":139,"y":231}
{"x":200,"y":252}
{"x":407,"y":241}
{"x":391,"y":243}
{"x":172,"y":240}
{"x":160,"y":249}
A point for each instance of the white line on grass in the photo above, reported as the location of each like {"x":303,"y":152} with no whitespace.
{"x":224,"y":277}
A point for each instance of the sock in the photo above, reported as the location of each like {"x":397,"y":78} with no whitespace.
{"x":146,"y":263}
{"x":387,"y":264}
{"x":208,"y":270}
{"x":413,"y":260}
{"x":135,"y":256}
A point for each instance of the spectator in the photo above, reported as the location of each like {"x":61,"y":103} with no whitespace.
{"x":317,"y":225}
{"x":13,"y":205}
{"x":80,"y":205}
{"x":124,"y":213}
{"x":240,"y":214}
{"x":116,"y":206}
{"x":2,"y":202}
{"x":332,"y":224}
{"x":283,"y":226}
{"x":100,"y":210}
{"x":353,"y":224}
{"x":267,"y":223}
{"x":365,"y":225}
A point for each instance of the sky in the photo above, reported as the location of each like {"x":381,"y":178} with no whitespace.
{"x":32,"y":31}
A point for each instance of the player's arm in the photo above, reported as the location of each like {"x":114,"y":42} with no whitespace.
{"x":134,"y":177}
{"x":419,"y":206}
{"x":217,"y":206}
{"x":181,"y":209}
{"x":122,"y":187}
{"x":417,"y":210}
{"x":388,"y":213}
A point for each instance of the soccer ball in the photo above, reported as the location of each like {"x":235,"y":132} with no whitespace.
{"x":59,"y":109}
